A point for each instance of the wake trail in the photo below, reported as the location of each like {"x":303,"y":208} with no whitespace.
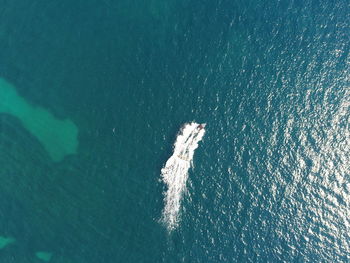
{"x":175,"y":171}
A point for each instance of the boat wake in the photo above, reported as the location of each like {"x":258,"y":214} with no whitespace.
{"x":175,"y":172}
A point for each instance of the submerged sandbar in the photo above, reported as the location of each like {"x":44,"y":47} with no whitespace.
{"x":58,"y":137}
{"x":5,"y":241}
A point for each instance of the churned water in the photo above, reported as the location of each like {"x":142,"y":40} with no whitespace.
{"x":93,"y":97}
{"x":175,"y":172}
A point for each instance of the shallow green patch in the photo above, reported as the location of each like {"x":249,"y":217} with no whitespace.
{"x":59,"y":137}
{"x":45,"y":256}
{"x":4,"y":241}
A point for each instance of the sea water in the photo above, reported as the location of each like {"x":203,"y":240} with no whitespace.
{"x":270,"y":177}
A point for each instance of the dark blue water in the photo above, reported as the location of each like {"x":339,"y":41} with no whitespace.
{"x":271,"y":178}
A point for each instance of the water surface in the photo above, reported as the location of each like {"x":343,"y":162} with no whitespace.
{"x":270,"y":181}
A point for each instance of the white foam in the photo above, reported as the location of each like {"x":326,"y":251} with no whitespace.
{"x":175,"y":172}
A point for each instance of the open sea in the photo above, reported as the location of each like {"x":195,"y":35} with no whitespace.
{"x":94,"y":97}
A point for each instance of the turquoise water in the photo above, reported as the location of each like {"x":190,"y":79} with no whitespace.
{"x":270,"y":181}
